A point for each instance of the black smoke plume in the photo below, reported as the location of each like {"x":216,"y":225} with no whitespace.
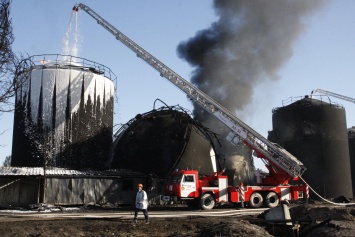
{"x":249,"y":43}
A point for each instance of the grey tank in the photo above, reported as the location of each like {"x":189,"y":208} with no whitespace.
{"x":351,"y":137}
{"x":315,"y":132}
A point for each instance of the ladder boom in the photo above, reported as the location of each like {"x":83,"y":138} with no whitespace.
{"x":324,"y":92}
{"x":254,"y":140}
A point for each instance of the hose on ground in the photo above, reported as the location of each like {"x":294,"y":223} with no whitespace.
{"x":324,"y":199}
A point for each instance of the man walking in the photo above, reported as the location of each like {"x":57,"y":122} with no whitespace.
{"x":141,"y":204}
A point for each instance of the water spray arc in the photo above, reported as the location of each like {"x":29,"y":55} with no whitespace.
{"x":73,"y":49}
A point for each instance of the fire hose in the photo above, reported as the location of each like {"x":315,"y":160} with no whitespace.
{"x":324,"y":199}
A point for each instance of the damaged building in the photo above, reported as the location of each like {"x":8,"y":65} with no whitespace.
{"x":162,"y":140}
{"x":23,"y":186}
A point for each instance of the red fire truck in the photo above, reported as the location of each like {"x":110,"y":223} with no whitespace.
{"x":208,"y":190}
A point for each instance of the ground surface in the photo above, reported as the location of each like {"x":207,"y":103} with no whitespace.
{"x":336,"y":222}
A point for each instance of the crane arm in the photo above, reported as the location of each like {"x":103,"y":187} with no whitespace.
{"x":324,"y":92}
{"x":263,"y":147}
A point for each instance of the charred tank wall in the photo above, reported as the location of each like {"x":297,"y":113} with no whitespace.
{"x":162,"y":140}
{"x":315,"y":132}
{"x":351,"y":136}
{"x":238,"y":162}
{"x":63,"y":117}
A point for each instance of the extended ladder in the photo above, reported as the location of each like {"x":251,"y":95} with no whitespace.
{"x":324,"y":92}
{"x":265,"y":149}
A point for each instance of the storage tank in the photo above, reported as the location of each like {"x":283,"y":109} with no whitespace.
{"x":351,"y":139}
{"x":63,"y":114}
{"x":162,"y":140}
{"x":238,"y":162}
{"x":314,"y":130}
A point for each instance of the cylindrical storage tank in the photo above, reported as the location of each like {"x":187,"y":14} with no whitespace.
{"x":351,"y":139}
{"x":63,"y":114}
{"x":160,"y":141}
{"x":238,"y":162}
{"x":315,"y":132}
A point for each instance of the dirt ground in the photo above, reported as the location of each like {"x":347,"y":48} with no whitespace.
{"x":314,"y":219}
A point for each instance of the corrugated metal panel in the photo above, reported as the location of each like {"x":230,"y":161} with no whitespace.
{"x":18,"y":192}
{"x":74,"y":191}
{"x":89,"y":190}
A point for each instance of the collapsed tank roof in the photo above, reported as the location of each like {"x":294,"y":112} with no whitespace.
{"x":162,"y":140}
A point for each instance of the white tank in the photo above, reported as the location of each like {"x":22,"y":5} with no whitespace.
{"x":63,"y":113}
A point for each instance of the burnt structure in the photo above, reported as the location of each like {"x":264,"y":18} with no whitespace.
{"x":237,"y":161}
{"x":351,"y":139}
{"x":63,"y":114}
{"x":315,"y":132}
{"x":163,"y":140}
{"x":24,"y":186}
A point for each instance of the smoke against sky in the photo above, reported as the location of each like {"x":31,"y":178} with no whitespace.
{"x":248,"y":44}
{"x":322,"y":55}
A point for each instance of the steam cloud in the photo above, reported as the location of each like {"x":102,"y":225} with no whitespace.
{"x":247,"y":45}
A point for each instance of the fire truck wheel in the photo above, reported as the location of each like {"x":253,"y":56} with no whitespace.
{"x":272,"y":200}
{"x":256,"y":200}
{"x":207,"y":201}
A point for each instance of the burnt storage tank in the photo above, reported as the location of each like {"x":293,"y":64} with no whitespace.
{"x":315,"y":132}
{"x":236,"y":159}
{"x":238,"y":162}
{"x":351,"y":139}
{"x":63,"y":114}
{"x":163,"y":140}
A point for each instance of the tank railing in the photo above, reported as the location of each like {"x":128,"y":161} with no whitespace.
{"x":331,"y":103}
{"x":65,"y":61}
{"x":291,"y":100}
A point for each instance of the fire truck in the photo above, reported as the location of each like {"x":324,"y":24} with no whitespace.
{"x":206,"y":191}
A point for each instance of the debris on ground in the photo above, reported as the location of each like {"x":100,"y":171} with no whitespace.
{"x":324,"y":220}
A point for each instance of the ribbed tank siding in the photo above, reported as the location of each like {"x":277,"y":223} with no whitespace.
{"x":161,"y":141}
{"x":63,"y":117}
{"x":315,"y":132}
{"x":351,"y":139}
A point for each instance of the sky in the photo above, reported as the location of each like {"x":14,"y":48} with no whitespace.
{"x":322,"y":55}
